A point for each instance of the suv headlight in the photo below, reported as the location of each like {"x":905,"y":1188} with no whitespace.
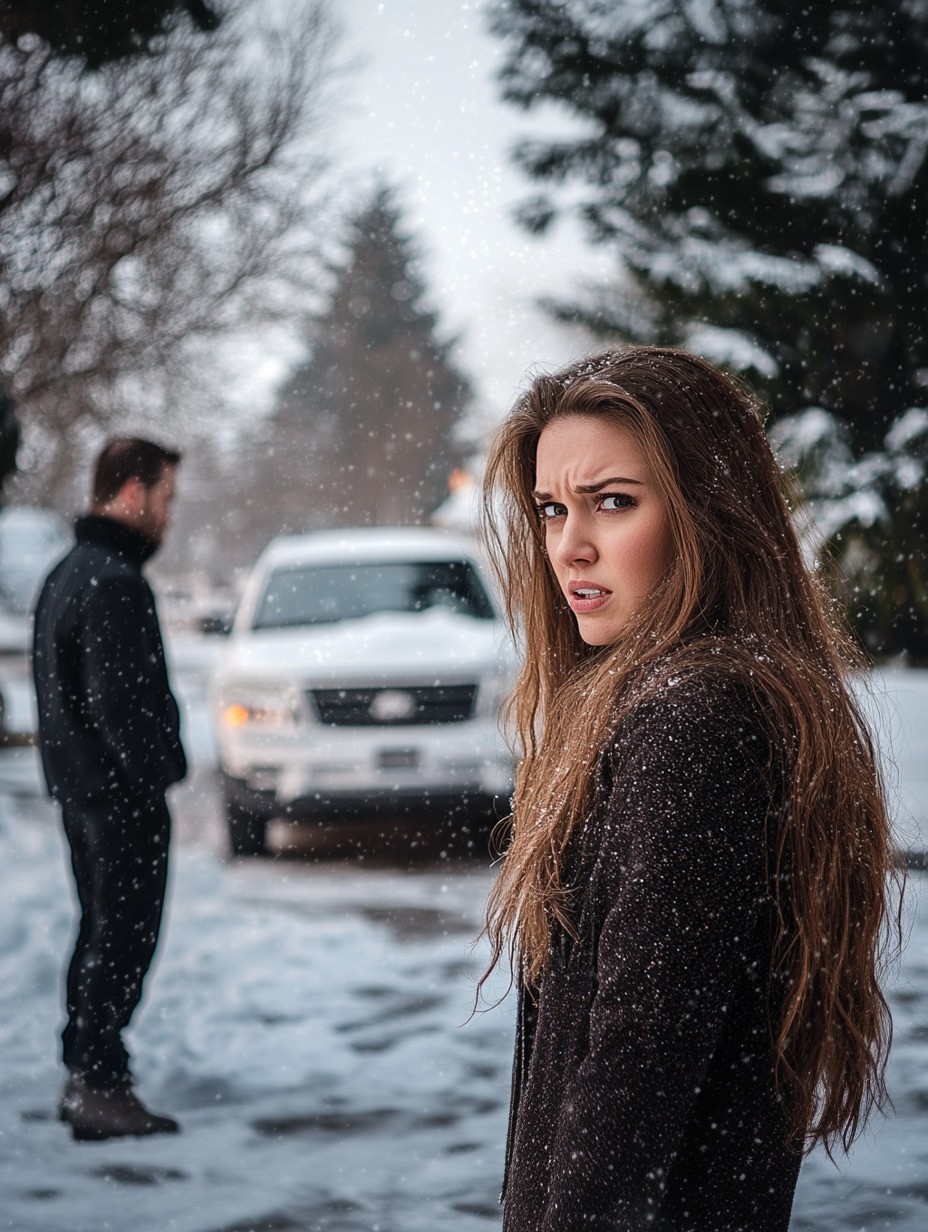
{"x":264,"y":706}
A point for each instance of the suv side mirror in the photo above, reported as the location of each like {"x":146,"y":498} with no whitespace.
{"x":216,"y":624}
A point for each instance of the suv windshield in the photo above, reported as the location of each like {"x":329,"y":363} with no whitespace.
{"x":323,"y":594}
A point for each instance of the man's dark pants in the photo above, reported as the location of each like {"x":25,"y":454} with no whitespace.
{"x":119,"y":854}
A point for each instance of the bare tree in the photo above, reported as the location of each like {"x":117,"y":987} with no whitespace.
{"x":148,"y":210}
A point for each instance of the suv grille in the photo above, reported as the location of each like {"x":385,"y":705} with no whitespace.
{"x":394,"y":707}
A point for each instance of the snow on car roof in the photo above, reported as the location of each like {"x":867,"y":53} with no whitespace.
{"x":378,"y":543}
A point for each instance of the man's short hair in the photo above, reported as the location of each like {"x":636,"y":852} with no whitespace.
{"x":129,"y":457}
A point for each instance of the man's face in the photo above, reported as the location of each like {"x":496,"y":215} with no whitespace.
{"x":155,"y":509}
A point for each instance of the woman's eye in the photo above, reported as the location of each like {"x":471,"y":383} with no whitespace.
{"x":550,"y":509}
{"x":616,"y":500}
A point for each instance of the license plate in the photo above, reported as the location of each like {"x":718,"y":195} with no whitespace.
{"x":398,"y":759}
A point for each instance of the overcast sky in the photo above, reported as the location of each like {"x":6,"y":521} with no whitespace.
{"x":423,"y":109}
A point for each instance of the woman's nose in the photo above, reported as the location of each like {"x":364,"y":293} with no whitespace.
{"x":574,"y":544}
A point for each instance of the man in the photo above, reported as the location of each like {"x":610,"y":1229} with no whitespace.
{"x":109,"y":734}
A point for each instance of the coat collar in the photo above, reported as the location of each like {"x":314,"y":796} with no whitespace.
{"x":116,"y":537}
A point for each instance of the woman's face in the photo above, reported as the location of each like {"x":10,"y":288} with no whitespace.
{"x":606,"y":525}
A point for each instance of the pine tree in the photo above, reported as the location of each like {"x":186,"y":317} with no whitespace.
{"x":367,"y":421}
{"x":760,"y":169}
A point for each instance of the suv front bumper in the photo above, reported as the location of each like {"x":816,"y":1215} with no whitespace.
{"x":372,"y":768}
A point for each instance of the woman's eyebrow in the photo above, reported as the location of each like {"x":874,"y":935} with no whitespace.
{"x":584,"y":489}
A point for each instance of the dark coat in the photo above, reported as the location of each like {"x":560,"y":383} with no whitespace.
{"x":108,"y":722}
{"x":643,"y":1086}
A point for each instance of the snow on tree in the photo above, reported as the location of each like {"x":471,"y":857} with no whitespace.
{"x":867,"y":511}
{"x":760,"y":172}
{"x":364,"y":428}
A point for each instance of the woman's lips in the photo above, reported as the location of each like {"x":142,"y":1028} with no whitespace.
{"x":585,"y":597}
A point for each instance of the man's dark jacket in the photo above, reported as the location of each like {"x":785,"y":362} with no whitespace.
{"x":108,"y":723}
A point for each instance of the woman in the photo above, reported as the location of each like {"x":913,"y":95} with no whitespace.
{"x":697,"y":875}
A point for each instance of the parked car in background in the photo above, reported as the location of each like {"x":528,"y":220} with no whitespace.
{"x":31,"y":541}
{"x":364,"y":672}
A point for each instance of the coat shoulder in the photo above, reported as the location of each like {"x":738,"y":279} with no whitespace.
{"x":693,"y":709}
{"x":696,"y":748}
{"x":105,"y":577}
{"x":91,"y":564}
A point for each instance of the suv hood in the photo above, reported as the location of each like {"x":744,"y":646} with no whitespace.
{"x":384,"y":645}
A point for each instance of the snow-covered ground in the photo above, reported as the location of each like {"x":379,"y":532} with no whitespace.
{"x":308,"y":1022}
{"x":896,"y":703}
{"x":308,"y":1027}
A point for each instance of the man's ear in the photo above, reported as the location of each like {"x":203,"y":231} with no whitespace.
{"x":132,"y":495}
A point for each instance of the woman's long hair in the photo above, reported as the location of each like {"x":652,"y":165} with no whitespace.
{"x":738,"y":594}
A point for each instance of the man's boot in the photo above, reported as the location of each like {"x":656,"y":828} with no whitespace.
{"x":112,"y":1112}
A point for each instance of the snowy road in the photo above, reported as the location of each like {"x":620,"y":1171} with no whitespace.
{"x":308,"y":1023}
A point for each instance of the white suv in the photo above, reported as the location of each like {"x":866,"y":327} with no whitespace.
{"x":364,"y":671}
